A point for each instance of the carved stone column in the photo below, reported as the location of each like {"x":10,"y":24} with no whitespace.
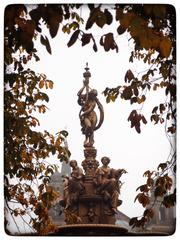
{"x":90,"y":164}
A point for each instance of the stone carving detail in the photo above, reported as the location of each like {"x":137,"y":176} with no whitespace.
{"x":91,"y":212}
{"x":90,"y":164}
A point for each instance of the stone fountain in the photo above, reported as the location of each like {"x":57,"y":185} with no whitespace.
{"x":91,"y":194}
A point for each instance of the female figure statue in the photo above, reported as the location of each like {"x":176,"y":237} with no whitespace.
{"x":87,"y":114}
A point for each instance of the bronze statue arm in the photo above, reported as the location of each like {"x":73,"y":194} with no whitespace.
{"x":81,"y":90}
{"x":101,"y":110}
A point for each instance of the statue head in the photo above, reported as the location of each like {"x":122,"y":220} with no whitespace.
{"x":73,"y":163}
{"x":93,"y":93}
{"x":105,"y":160}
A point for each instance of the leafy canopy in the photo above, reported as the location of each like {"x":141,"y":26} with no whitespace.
{"x":151,"y":27}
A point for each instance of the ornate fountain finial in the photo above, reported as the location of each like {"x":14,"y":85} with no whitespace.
{"x":87,"y":74}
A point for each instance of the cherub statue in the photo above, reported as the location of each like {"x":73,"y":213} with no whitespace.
{"x":87,"y":114}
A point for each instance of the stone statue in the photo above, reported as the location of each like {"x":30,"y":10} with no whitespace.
{"x":108,"y":183}
{"x":73,"y":186}
{"x":87,"y":114}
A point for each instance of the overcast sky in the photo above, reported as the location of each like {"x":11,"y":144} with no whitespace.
{"x":115,"y":139}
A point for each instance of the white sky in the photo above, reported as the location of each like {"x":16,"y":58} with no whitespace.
{"x":115,"y":139}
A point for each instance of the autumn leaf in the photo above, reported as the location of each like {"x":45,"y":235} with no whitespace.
{"x":149,"y":213}
{"x":54,"y":25}
{"x":46,"y":43}
{"x":163,"y":166}
{"x":95,"y":47}
{"x":154,"y":109}
{"x":143,"y":119}
{"x":109,"y":17}
{"x":159,"y":191}
{"x":108,"y":41}
{"x":127,"y":93}
{"x":86,"y":38}
{"x":143,"y":188}
{"x":128,"y":76}
{"x":41,"y":84}
{"x":101,"y":19}
{"x":120,"y":30}
{"x":51,"y":84}
{"x":165,"y":47}
{"x":73,"y":38}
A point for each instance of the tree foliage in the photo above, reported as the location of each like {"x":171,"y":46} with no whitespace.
{"x":152,"y":30}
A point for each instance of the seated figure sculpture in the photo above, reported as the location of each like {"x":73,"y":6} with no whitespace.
{"x":108,"y":183}
{"x":73,"y":186}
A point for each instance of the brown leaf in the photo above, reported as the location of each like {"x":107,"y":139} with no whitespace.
{"x":159,"y":191}
{"x":51,"y":84}
{"x":150,"y":182}
{"x":109,"y":17}
{"x":137,"y":127}
{"x":162,"y":108}
{"x":54,"y":25}
{"x":86,"y":38}
{"x":148,"y":174}
{"x":143,"y":199}
{"x":162,"y":166}
{"x":127,"y":93}
{"x":101,"y":41}
{"x":149,"y":213}
{"x":165,"y":47}
{"x":143,"y":119}
{"x":119,"y":13}
{"x":129,"y":76}
{"x":143,"y":188}
{"x":46,"y":43}
{"x":73,"y":38}
{"x":154,"y":109}
{"x":120,"y":30}
{"x":101,"y":19}
{"x":108,"y":41}
{"x":95,"y":47}
{"x":136,"y":91}
{"x":41,"y":84}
